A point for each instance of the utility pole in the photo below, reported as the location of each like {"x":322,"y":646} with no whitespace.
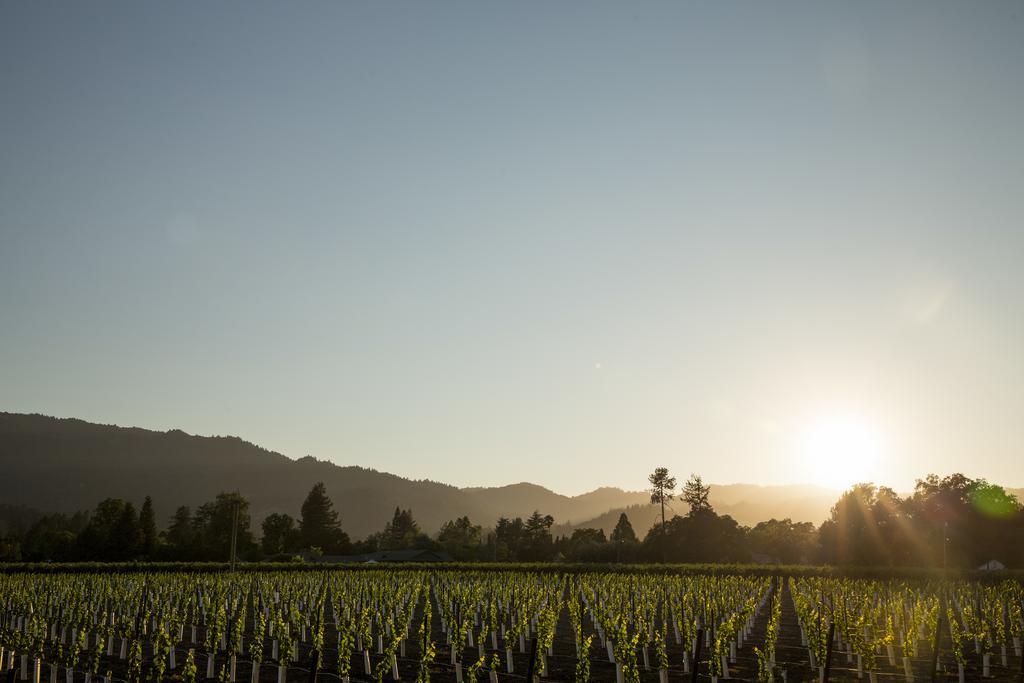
{"x":234,"y":535}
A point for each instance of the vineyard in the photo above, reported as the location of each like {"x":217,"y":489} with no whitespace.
{"x":465,"y":625}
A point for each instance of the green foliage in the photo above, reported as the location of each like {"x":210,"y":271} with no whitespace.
{"x":212,"y":526}
{"x":633,"y":610}
{"x":427,"y":648}
{"x":461,"y":539}
{"x":113,"y":532}
{"x":663,"y":486}
{"x":697,"y":495}
{"x":188,"y":671}
{"x":954,"y":521}
{"x":280,"y":534}
{"x":582,"y":671}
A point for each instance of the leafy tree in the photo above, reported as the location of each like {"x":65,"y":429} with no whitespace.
{"x":785,"y":540}
{"x":701,"y":537}
{"x":460,"y":538}
{"x":974,"y":515}
{"x":992,"y":500}
{"x":588,"y":535}
{"x":112,"y":532}
{"x":537,"y":537}
{"x":213,"y":523}
{"x":696,"y":494}
{"x":952,"y":521}
{"x":509,"y":536}
{"x":147,"y":525}
{"x":588,"y":545}
{"x":319,"y":526}
{"x":279,"y":534}
{"x":53,"y":538}
{"x":662,"y":490}
{"x":863,"y":527}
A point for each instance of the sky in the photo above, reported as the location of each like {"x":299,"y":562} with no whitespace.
{"x":485,"y":243}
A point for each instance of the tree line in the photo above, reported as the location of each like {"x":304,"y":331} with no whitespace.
{"x":953,"y":521}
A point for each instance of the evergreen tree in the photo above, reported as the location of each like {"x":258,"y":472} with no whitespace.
{"x":147,"y":526}
{"x":403,"y":532}
{"x":623,"y":531}
{"x":538,"y":539}
{"x":319,"y":526}
{"x":696,"y":495}
{"x":623,"y":535}
{"x":662,"y":490}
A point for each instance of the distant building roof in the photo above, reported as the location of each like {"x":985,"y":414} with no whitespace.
{"x":384,"y":556}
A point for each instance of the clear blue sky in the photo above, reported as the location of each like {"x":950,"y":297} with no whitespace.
{"x":558,"y":242}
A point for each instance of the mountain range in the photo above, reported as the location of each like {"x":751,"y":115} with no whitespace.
{"x":64,"y":465}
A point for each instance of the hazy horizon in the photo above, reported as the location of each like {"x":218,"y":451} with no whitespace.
{"x":563,"y":244}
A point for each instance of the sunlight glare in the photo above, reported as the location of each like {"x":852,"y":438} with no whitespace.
{"x":839,"y":451}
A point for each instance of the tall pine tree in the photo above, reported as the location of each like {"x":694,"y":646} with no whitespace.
{"x":319,"y":526}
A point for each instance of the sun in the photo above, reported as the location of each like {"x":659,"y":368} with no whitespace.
{"x":839,"y":450}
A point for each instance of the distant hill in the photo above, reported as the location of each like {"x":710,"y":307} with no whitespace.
{"x":65,"y":465}
{"x":749,"y":504}
{"x":522,"y":499}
